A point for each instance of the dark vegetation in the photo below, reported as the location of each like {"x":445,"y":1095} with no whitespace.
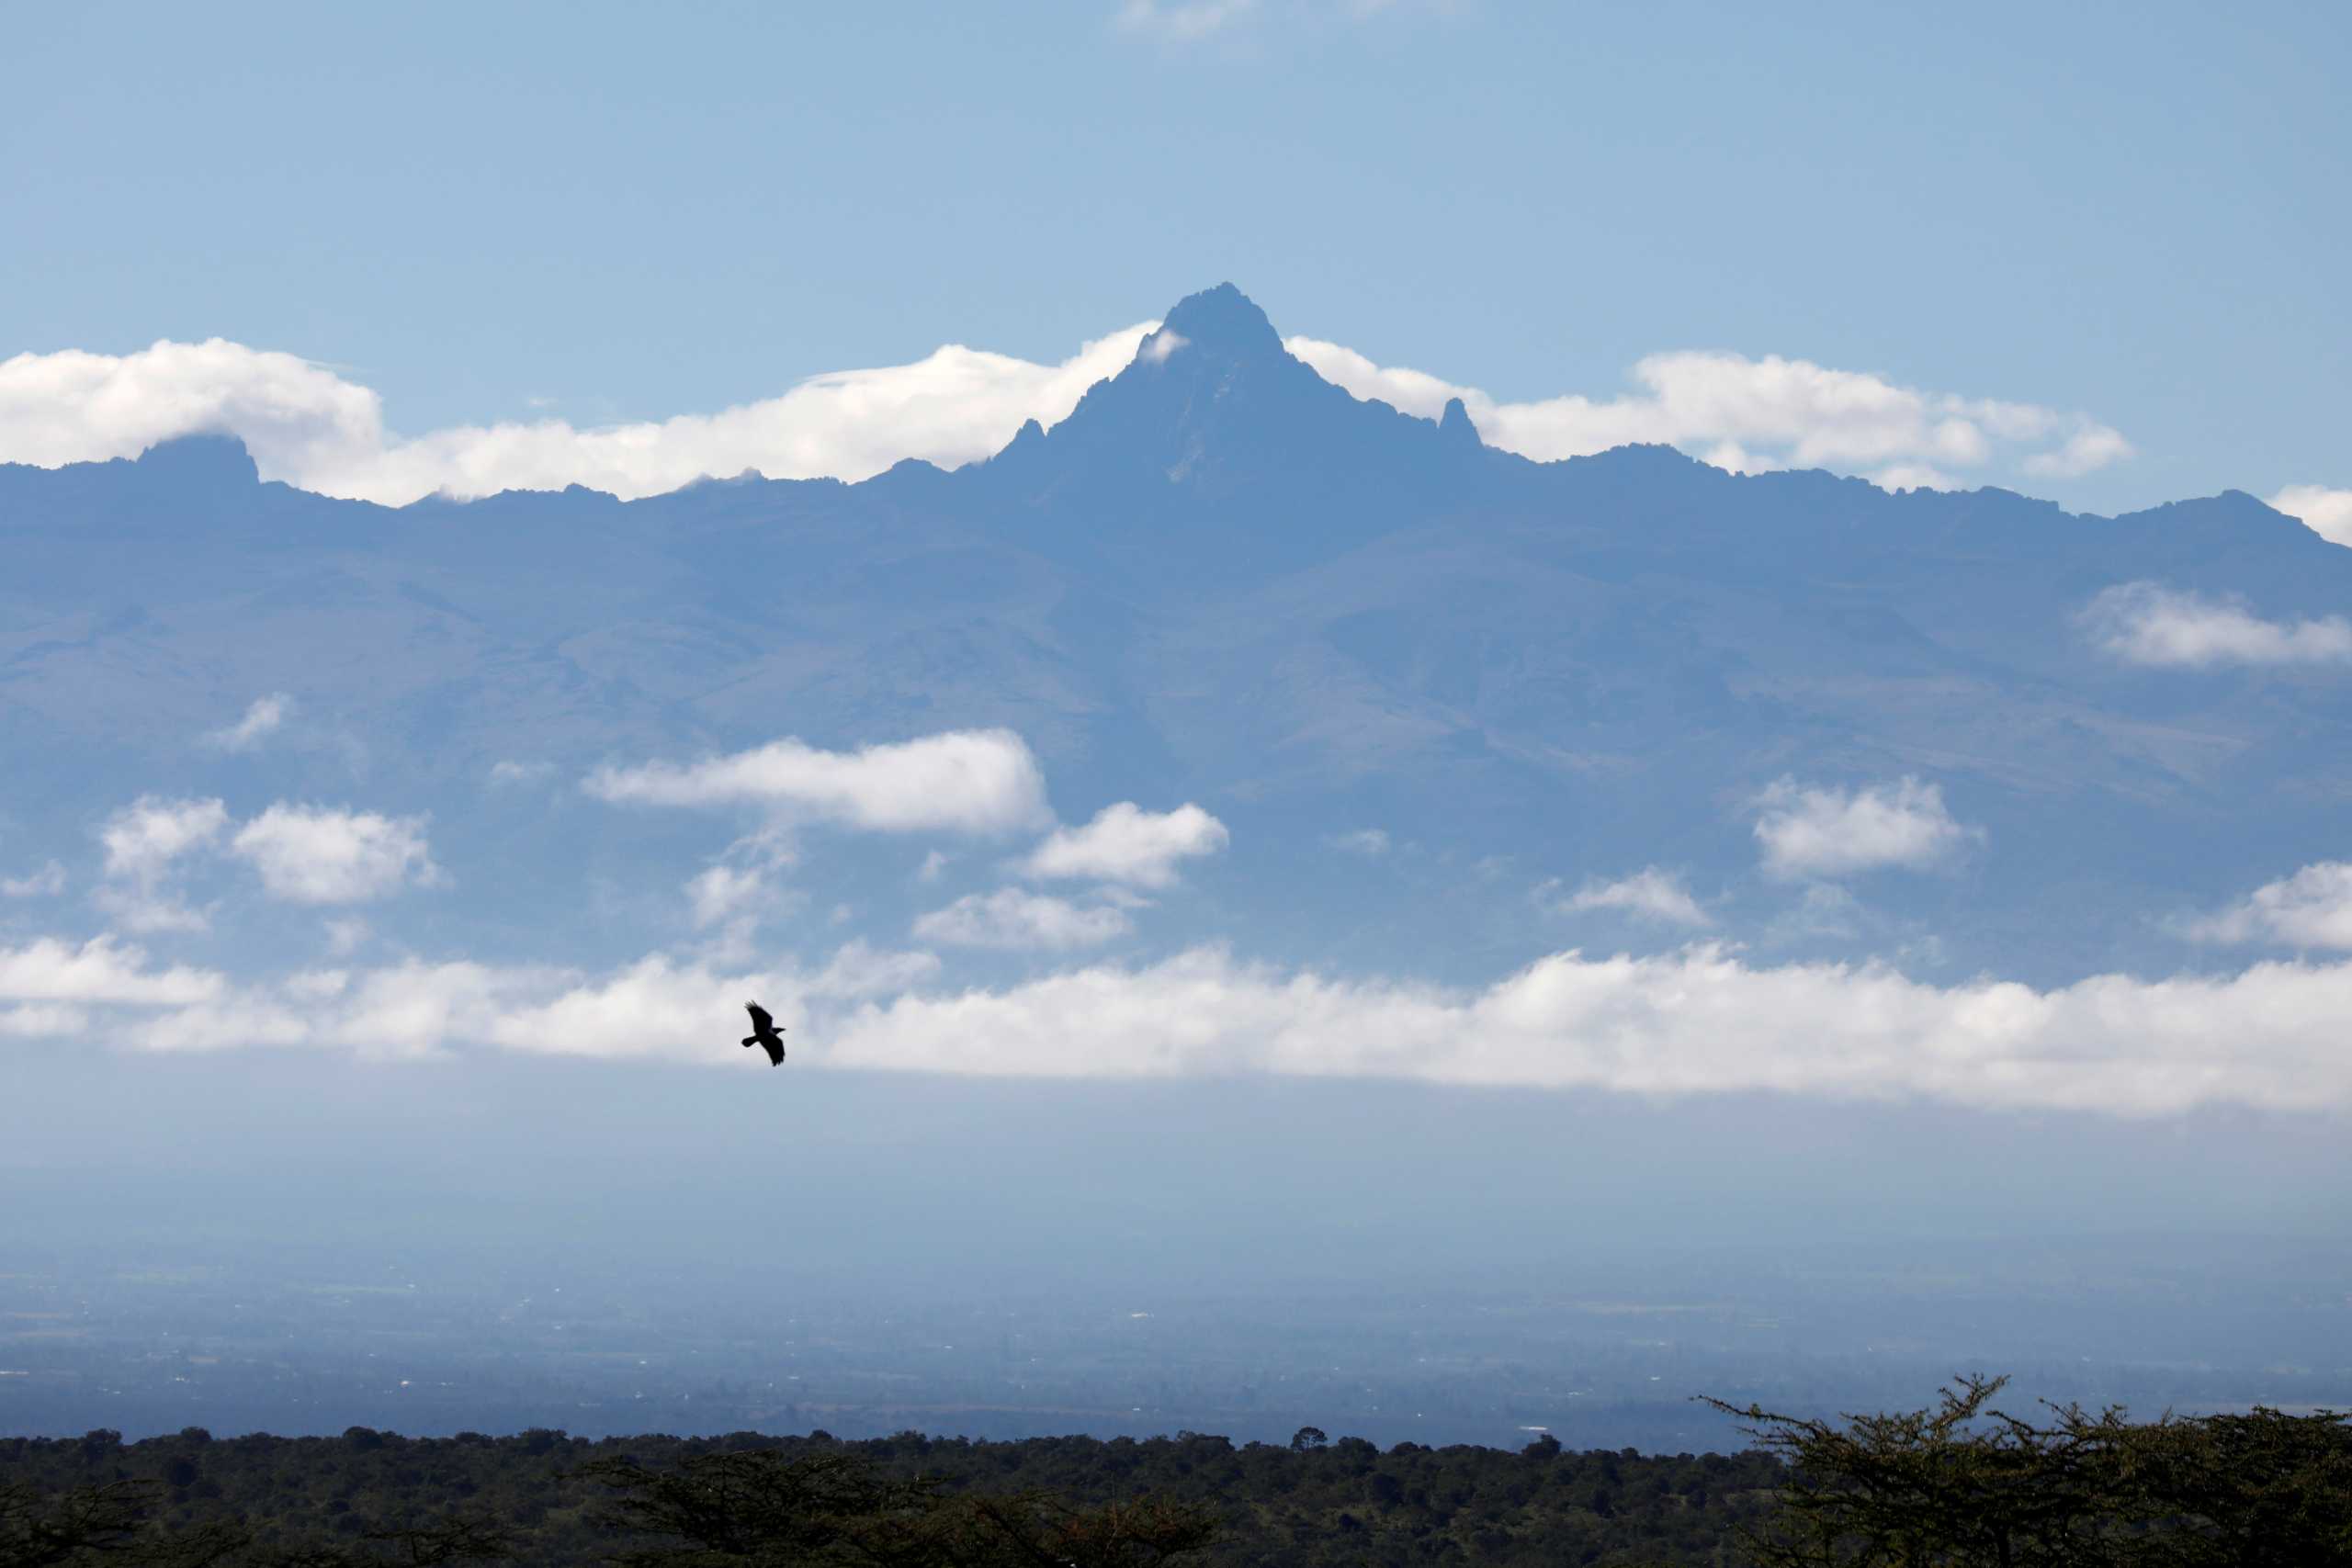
{"x":1959,"y":1482}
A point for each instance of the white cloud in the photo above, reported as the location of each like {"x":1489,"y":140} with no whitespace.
{"x":1834,"y":832}
{"x":932,"y":865}
{"x":2087,"y":450}
{"x":507,"y":773}
{"x":1752,"y":414}
{"x":318,"y":855}
{"x":308,"y":426}
{"x":2327,"y":512}
{"x":100,"y":970}
{"x":144,"y":838}
{"x":725,"y":891}
{"x":973,"y":781}
{"x":2146,"y":623}
{"x":46,"y":882}
{"x":1651,"y":894}
{"x":261,"y":719}
{"x":1013,"y":919}
{"x":1369,"y":843}
{"x":1126,"y":843}
{"x":143,"y":841}
{"x":345,"y":937}
{"x":1696,"y":1021}
{"x":2311,"y":908}
{"x":43,"y":1023}
{"x":660,"y":1007}
{"x":1182,"y":20}
{"x":1700,"y":1021}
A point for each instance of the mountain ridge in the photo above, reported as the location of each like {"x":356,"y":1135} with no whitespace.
{"x":1225,"y":579}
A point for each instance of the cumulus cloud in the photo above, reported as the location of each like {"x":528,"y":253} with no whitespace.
{"x":1749,"y":414}
{"x":2146,"y":623}
{"x":1369,"y":843}
{"x":972,"y":781}
{"x":309,"y":854}
{"x":1650,"y":894}
{"x":1013,"y":919}
{"x":1126,"y":843}
{"x":261,"y":719}
{"x":308,"y":426}
{"x":46,"y":882}
{"x":2327,"y":512}
{"x":2311,"y":908}
{"x":143,"y":839}
{"x":145,"y":842}
{"x":1832,"y":832}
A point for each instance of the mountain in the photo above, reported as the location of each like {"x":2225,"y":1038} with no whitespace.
{"x":1223,"y":580}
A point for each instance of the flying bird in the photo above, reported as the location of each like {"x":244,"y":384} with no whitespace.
{"x":765,"y":1032}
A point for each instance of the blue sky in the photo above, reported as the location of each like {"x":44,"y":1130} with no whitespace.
{"x":2096,"y":253}
{"x":2133,"y":213}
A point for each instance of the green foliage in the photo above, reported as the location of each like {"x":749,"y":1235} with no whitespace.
{"x":1961,"y":1483}
{"x":1189,"y":1501}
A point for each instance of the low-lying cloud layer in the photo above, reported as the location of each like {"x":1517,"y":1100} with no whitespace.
{"x":309,"y":426}
{"x":2149,"y":624}
{"x":1747,"y":415}
{"x":1700,"y":1021}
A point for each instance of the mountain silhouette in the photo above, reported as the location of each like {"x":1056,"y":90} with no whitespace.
{"x":1222,"y":579}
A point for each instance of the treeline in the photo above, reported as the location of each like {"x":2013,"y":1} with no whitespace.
{"x":1315,"y":1503}
{"x":1959,"y":1484}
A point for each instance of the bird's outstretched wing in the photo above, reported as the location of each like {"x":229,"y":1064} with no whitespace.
{"x":761,"y":1018}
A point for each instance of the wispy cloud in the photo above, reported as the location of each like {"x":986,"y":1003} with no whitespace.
{"x":2147,"y":623}
{"x":1015,"y":920}
{"x":261,"y":719}
{"x":1185,"y":21}
{"x":1650,"y":894}
{"x":46,"y":882}
{"x":1369,"y":843}
{"x":1831,"y":831}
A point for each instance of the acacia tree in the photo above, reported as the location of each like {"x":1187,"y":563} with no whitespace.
{"x":1960,"y":1484}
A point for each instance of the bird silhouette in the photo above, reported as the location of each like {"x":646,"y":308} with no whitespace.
{"x":765,"y":1032}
